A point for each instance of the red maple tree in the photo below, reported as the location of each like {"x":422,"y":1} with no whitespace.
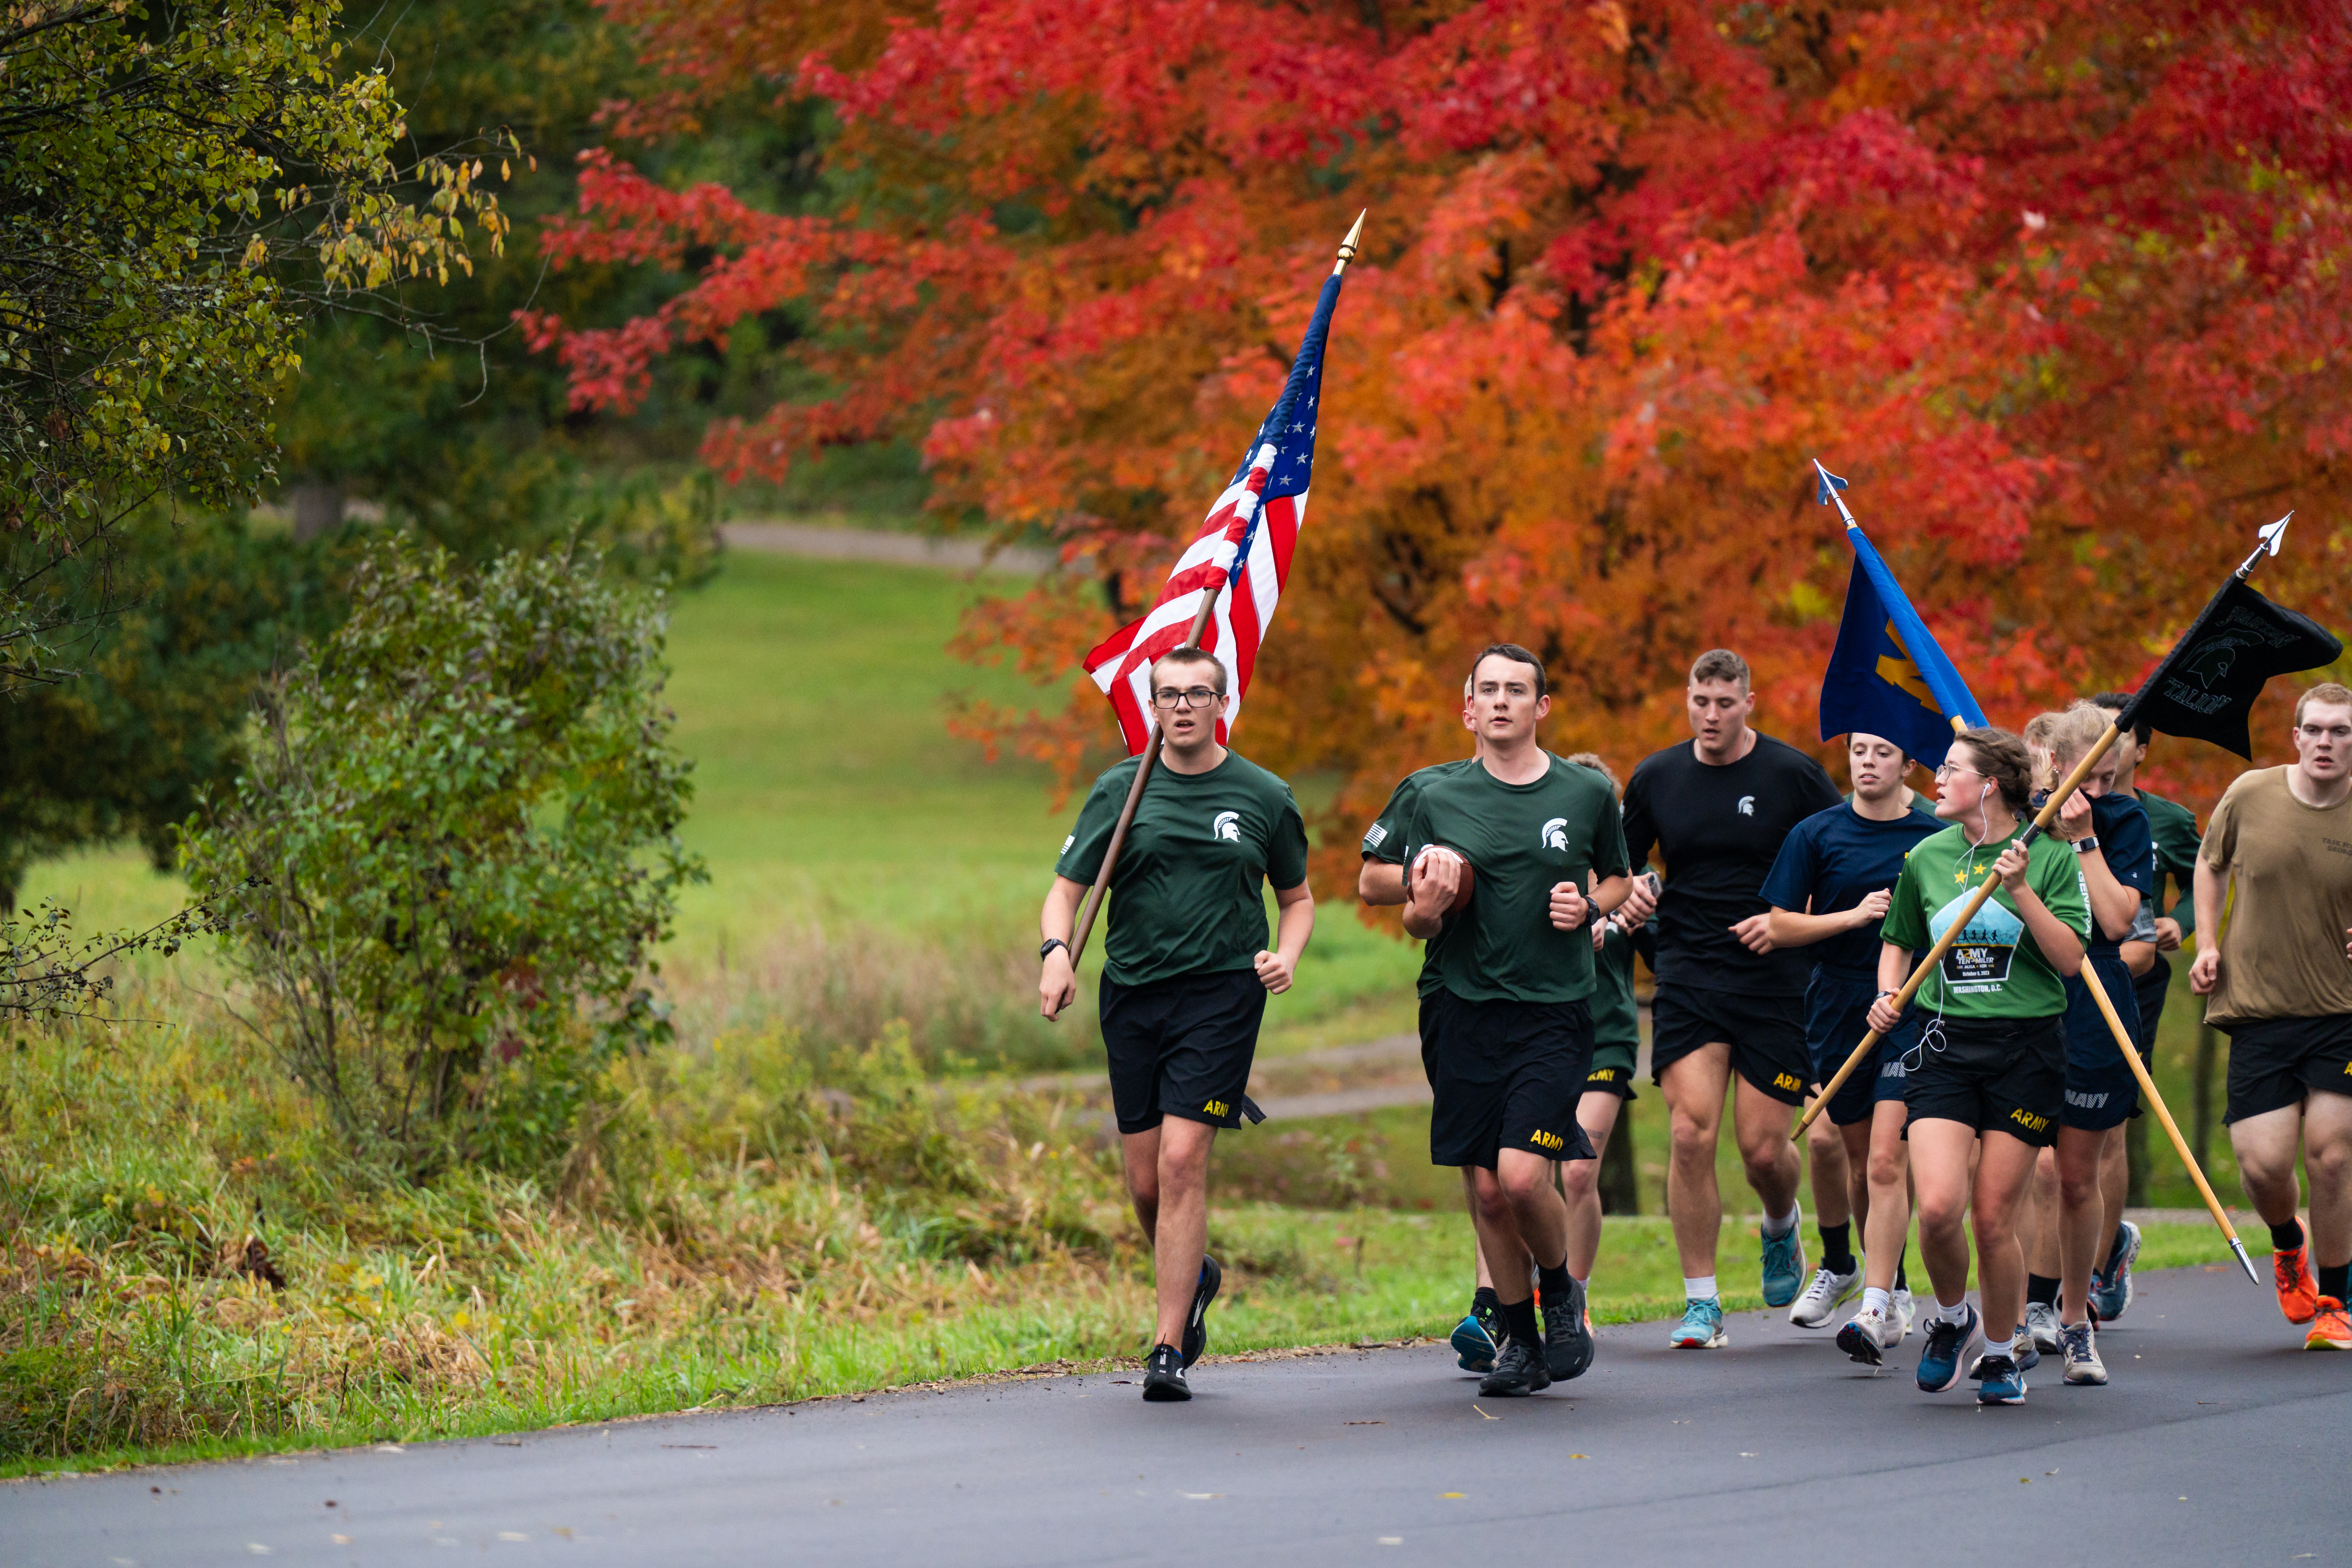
{"x":2061,"y":285}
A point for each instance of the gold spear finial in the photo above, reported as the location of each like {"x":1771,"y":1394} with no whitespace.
{"x":1347,"y":245}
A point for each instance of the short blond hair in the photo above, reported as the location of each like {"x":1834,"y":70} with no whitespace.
{"x":1593,"y":760}
{"x":2077,"y":729}
{"x":2328,"y":691}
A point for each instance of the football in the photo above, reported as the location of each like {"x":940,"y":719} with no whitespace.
{"x":1469,"y":875}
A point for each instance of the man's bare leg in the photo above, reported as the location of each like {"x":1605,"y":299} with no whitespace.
{"x":1581,"y":1180}
{"x":1168,"y":1182}
{"x":1694,"y":1089}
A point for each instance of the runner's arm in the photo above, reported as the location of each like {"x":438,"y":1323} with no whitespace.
{"x":2213,"y":883}
{"x":1793,"y":927}
{"x":1894,"y":969}
{"x":1380,"y":882}
{"x":2113,"y":905}
{"x":1057,"y":981}
{"x":1295,"y":923}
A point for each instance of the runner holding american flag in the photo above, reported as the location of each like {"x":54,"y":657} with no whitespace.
{"x":1187,"y":964}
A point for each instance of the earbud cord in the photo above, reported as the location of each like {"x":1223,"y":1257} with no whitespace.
{"x":1931,"y":1034}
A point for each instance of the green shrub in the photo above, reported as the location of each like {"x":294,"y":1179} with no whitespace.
{"x":462,"y":814}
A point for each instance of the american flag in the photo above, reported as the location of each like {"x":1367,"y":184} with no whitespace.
{"x":1248,"y":539}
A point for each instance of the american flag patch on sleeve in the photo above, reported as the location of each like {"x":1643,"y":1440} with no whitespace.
{"x":1373,"y":839}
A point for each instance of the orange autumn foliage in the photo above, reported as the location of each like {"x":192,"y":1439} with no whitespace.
{"x":2064,"y":287}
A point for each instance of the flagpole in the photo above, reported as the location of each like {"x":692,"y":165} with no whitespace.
{"x":2172,"y":1129}
{"x":2272,"y":537}
{"x":1101,"y":889}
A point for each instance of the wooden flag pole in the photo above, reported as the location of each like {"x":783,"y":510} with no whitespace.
{"x":1101,"y":889}
{"x":2172,"y":1129}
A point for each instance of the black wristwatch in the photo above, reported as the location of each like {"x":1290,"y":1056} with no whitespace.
{"x":1048,"y":945}
{"x":2084,"y":845}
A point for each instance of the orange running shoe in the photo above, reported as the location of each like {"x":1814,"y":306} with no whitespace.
{"x":2331,"y":1330}
{"x":2298,"y":1292}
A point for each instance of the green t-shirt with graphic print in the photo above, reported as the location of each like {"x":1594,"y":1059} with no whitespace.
{"x":1187,"y":895}
{"x":1521,"y":840}
{"x":1995,"y":970}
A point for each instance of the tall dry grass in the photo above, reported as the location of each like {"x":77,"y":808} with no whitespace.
{"x":969,"y":1003}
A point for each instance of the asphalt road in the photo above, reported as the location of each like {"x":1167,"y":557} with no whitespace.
{"x":2218,"y":1442}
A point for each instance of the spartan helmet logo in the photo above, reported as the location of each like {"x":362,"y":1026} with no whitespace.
{"x":1555,"y":834}
{"x":1228,"y":825}
{"x":1747,"y":806}
{"x":2211,"y":661}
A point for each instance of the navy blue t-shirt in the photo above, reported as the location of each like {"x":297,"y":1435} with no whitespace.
{"x":1834,"y":857}
{"x":2129,"y":843}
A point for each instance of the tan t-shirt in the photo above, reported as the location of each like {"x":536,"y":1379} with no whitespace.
{"x":2290,"y":869}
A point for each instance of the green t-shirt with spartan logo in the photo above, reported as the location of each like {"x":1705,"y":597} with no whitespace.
{"x":1994,"y":970}
{"x":1521,"y":840}
{"x":1186,"y":897}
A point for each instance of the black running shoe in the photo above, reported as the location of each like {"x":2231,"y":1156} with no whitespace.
{"x":1163,"y":1377}
{"x":1568,"y":1343}
{"x":1196,"y":1326}
{"x":1519,"y":1372}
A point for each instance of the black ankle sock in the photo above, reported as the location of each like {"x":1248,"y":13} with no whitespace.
{"x":2043,"y":1289}
{"x":1520,"y":1317}
{"x":2288,"y":1236}
{"x":1555,"y":1283}
{"x":1902,"y":1278}
{"x":1482,"y":1299}
{"x":1837,"y":1248}
{"x":2334,"y":1281}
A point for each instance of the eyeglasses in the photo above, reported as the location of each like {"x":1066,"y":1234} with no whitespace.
{"x":1191,"y":696}
{"x":1946,"y":770}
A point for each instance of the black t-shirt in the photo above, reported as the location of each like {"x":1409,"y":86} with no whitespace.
{"x":1720,"y":829}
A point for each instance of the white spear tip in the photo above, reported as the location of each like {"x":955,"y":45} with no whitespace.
{"x":2274,"y":534}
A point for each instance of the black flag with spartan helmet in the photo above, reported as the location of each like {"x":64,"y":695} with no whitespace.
{"x":2206,"y":687}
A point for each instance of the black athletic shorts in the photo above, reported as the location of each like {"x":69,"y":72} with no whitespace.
{"x":2101,"y":1091}
{"x":2272,"y":1061}
{"x":1765,"y":1034}
{"x":1505,"y":1075}
{"x":1612,"y":1071}
{"x":1996,"y":1075}
{"x":1182,"y":1048}
{"x":1837,"y":1016}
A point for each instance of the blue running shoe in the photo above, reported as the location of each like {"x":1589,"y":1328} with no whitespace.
{"x":1784,"y":1264}
{"x":1475,"y":1343}
{"x":2000,"y":1381}
{"x":1951,"y":1347}
{"x":2111,"y":1288}
{"x":1701,"y":1327}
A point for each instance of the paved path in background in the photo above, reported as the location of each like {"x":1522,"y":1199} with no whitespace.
{"x":824,"y":543}
{"x":2221,"y":1441}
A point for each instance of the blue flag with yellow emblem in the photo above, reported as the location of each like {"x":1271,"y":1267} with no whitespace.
{"x":1886,"y":676}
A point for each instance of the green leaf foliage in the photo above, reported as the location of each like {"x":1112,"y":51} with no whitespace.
{"x":179,"y":186}
{"x":464,"y":811}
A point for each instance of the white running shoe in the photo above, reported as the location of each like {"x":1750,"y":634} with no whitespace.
{"x":1865,"y":1336}
{"x":2041,"y":1323}
{"x":1901,"y":1313}
{"x":1823,"y":1297}
{"x":2081,"y":1348}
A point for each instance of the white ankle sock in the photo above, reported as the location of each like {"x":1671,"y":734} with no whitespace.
{"x":1701,"y":1289}
{"x":1871,"y":1296}
{"x":1957,"y":1313}
{"x":1781,"y":1225}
